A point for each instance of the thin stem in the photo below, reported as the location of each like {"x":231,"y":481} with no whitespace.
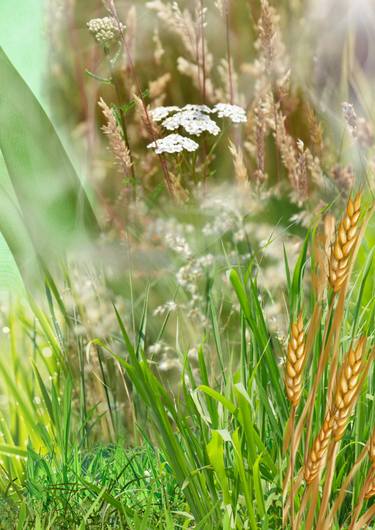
{"x":292,"y":425}
{"x":203,"y":51}
{"x":229,"y":52}
{"x":331,"y":460}
{"x":150,"y":129}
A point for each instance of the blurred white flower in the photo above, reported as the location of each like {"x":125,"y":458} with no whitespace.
{"x":160,"y":113}
{"x":105,"y":30}
{"x":178,"y":244}
{"x":168,"y":307}
{"x":173,"y":143}
{"x":234,"y":112}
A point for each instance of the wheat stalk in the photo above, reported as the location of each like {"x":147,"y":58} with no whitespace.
{"x":319,"y":449}
{"x":345,"y":241}
{"x":347,"y":388}
{"x":293,"y":371}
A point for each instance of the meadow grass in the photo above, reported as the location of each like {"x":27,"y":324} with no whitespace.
{"x":187,"y":333}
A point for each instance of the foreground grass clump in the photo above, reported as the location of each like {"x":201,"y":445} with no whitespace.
{"x":229,"y":450}
{"x":106,"y":488}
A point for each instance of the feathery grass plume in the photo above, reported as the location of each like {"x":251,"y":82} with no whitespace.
{"x":359,"y":128}
{"x":295,"y":362}
{"x":347,"y":388}
{"x":239,"y":165}
{"x":344,"y":244}
{"x":319,"y":449}
{"x":116,"y":141}
{"x":273,"y":62}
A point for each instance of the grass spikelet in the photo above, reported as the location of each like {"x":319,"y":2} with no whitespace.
{"x":347,"y":388}
{"x":295,"y":362}
{"x":117,"y":144}
{"x":319,"y":449}
{"x":344,"y":244}
{"x":240,"y":170}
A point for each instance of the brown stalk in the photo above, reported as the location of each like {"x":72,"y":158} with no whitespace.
{"x":229,"y":52}
{"x":366,"y":518}
{"x":344,"y":489}
{"x":368,"y":488}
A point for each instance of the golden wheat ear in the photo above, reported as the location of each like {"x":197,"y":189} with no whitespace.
{"x":319,"y":449}
{"x":347,"y":388}
{"x":370,"y":492}
{"x":295,"y":362}
{"x":344,"y":244}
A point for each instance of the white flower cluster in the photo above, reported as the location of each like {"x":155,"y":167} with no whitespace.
{"x":168,"y":307}
{"x":105,"y":30}
{"x":194,"y":120}
{"x":234,"y":112}
{"x":179,"y":244}
{"x":160,"y":113}
{"x":173,"y":143}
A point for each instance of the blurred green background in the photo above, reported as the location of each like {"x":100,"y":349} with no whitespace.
{"x":23,"y":38}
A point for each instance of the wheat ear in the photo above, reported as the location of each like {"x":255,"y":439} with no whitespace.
{"x":347,"y":388}
{"x":295,"y":362}
{"x":344,"y":244}
{"x":319,"y":449}
{"x":370,"y":492}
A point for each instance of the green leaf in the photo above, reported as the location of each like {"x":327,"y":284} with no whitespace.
{"x":53,"y":204}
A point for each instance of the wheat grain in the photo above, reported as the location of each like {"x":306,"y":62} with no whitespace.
{"x":295,"y":361}
{"x":344,"y":244}
{"x":347,"y":388}
{"x":319,"y":449}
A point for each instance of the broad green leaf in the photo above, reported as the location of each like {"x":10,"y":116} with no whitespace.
{"x":53,"y":204}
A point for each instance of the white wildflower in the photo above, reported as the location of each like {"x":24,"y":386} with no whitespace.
{"x":193,"y":121}
{"x":156,"y":348}
{"x":168,"y":307}
{"x":178,"y":244}
{"x":234,"y":112}
{"x":173,"y":143}
{"x":198,"y":108}
{"x":105,"y":30}
{"x":160,"y":113}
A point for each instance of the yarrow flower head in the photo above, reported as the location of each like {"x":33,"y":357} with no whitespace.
{"x":234,"y":112}
{"x":160,"y":113}
{"x":105,"y":30}
{"x":173,"y":143}
{"x":193,"y":121}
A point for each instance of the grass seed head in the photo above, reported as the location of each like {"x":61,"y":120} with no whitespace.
{"x":347,"y":388}
{"x":344,"y":244}
{"x":295,"y":362}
